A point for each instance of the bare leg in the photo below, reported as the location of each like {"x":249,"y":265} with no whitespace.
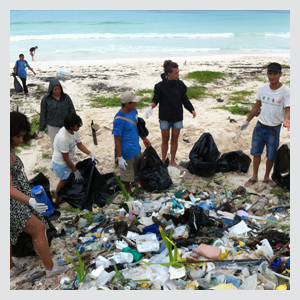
{"x":127,"y":187}
{"x":174,"y":146}
{"x":165,"y":134}
{"x":59,"y":185}
{"x":37,"y":229}
{"x":269,"y":165}
{"x":11,"y":262}
{"x":256,"y":163}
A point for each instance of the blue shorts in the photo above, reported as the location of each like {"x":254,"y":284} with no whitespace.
{"x":261,"y":137}
{"x":168,"y":125}
{"x":61,"y":171}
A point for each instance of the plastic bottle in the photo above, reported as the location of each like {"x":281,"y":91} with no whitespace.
{"x":41,"y":197}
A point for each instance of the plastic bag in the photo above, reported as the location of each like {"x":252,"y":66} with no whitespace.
{"x":17,"y":85}
{"x":63,"y":74}
{"x":198,"y":218}
{"x":233,"y":161}
{"x":153,"y":173}
{"x":203,"y":156}
{"x":141,"y":125}
{"x":91,"y":190}
{"x":250,"y":283}
{"x":281,"y":172}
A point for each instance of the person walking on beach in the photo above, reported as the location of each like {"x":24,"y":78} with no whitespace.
{"x":32,"y":51}
{"x":20,"y":70}
{"x":274,"y":100}
{"x":170,"y":93}
{"x":55,"y":106}
{"x":64,"y":151}
{"x":26,"y":215}
{"x":126,"y":137}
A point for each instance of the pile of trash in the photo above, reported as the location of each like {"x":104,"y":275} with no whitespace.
{"x":178,"y":240}
{"x":175,"y":239}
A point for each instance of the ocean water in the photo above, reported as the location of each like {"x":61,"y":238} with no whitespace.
{"x":106,"y":34}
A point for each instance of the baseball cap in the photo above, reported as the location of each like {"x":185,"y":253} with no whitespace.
{"x":129,"y":97}
{"x":274,"y":67}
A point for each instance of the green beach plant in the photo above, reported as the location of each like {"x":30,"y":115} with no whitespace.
{"x":208,"y":182}
{"x":236,"y":110}
{"x":80,"y":270}
{"x":126,"y":194}
{"x":205,"y":76}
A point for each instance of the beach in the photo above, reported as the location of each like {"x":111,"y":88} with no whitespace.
{"x":110,"y":78}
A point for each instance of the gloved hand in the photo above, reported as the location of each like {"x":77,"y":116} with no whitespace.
{"x":94,"y":157}
{"x":122,"y":163}
{"x":244,"y":125}
{"x":149,"y":112}
{"x":42,"y":133}
{"x":39,"y":207}
{"x":78,"y":176}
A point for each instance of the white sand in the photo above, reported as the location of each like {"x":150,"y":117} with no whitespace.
{"x":136,"y":75}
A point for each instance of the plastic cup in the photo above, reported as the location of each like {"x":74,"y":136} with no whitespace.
{"x":104,"y":277}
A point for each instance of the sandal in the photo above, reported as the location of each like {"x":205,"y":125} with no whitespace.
{"x":250,"y":182}
{"x":270,"y":183}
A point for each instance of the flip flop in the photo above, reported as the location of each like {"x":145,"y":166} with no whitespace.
{"x":250,"y":182}
{"x":270,"y":183}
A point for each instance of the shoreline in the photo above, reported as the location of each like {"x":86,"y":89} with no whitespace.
{"x":211,"y":56}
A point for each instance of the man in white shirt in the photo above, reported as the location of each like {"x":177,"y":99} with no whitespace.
{"x":64,"y":150}
{"x":274,"y":100}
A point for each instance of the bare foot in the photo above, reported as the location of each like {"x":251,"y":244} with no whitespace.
{"x":174,"y":165}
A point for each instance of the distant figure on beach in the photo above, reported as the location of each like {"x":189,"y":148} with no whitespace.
{"x":274,"y":100}
{"x":55,"y":106}
{"x":170,"y":93}
{"x":20,"y":70}
{"x":64,"y":150}
{"x":26,"y":215}
{"x":126,"y":136}
{"x":32,"y":51}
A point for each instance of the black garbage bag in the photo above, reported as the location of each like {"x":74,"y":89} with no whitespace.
{"x":143,"y":131}
{"x":24,"y":246}
{"x":198,"y":218}
{"x":233,"y":161}
{"x":91,"y":190}
{"x":203,"y":156}
{"x":282,"y":166}
{"x":153,"y":173}
{"x":17,"y":85}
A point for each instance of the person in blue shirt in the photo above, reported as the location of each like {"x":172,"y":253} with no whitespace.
{"x":20,"y":70}
{"x":126,"y":137}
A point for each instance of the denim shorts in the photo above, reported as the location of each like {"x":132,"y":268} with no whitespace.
{"x":261,"y":137}
{"x":168,"y":125}
{"x":61,"y":171}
